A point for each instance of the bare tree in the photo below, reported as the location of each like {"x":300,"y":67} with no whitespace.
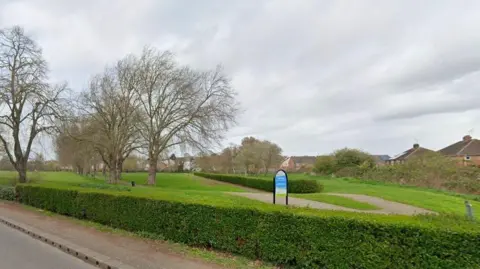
{"x":255,"y":155}
{"x":29,"y":106}
{"x":227,"y":158}
{"x":249,"y":155}
{"x":74,"y":152}
{"x":271,"y":155}
{"x":111,"y":107}
{"x":181,"y":106}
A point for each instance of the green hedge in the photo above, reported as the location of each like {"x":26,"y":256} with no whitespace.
{"x":294,"y":186}
{"x":7,"y":193}
{"x":279,"y":236}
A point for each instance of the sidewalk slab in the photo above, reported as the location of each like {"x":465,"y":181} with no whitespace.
{"x":70,"y":248}
{"x":112,"y":249}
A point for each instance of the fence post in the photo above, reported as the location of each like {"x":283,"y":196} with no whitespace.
{"x":469,"y":210}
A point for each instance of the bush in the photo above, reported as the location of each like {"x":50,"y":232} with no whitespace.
{"x":345,"y":162}
{"x":7,"y":193}
{"x":325,"y":165}
{"x":280,"y":236}
{"x":431,"y":170}
{"x":353,"y":158}
{"x":294,"y":186}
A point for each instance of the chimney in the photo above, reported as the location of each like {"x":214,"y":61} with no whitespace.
{"x":467,"y":138}
{"x":416,"y":146}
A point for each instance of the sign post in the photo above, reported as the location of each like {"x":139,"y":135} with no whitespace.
{"x":280,"y":185}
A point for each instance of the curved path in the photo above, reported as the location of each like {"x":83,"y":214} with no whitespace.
{"x":387,"y":207}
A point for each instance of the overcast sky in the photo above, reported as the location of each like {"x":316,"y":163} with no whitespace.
{"x":311,"y":75}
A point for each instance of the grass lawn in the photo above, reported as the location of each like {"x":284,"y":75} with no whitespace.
{"x":186,"y":187}
{"x":336,"y":200}
{"x":182,"y":181}
{"x":71,"y":181}
{"x":170,"y":186}
{"x":439,"y":201}
{"x":8,"y":177}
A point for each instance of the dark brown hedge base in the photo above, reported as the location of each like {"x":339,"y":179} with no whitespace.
{"x":294,"y":186}
{"x":294,"y":240}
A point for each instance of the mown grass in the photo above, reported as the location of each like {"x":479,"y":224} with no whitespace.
{"x":8,"y":178}
{"x":186,"y":187}
{"x":438,"y":201}
{"x":336,"y":200}
{"x":181,"y":181}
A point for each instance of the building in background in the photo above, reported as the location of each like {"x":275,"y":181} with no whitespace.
{"x":298,"y":163}
{"x":416,"y":150}
{"x":465,"y":152}
{"x":381,"y":159}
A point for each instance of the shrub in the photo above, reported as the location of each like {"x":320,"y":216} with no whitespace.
{"x":353,"y":157}
{"x":7,"y":193}
{"x":280,"y":236}
{"x":345,"y":162}
{"x":325,"y":165}
{"x":431,"y":170}
{"x":294,"y":186}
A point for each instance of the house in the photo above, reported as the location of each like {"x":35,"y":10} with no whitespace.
{"x":465,"y":151}
{"x":188,"y":163}
{"x":381,"y":159}
{"x":416,"y":150}
{"x":298,"y":163}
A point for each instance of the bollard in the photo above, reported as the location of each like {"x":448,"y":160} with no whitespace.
{"x":469,"y":210}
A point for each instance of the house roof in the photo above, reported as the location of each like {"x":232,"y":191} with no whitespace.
{"x":381,"y":158}
{"x":414,"y":151}
{"x":304,"y":159}
{"x":467,"y":146}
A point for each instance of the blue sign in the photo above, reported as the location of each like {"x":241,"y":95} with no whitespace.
{"x":280,"y":182}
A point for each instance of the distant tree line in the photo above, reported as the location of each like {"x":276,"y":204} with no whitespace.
{"x":252,"y":156}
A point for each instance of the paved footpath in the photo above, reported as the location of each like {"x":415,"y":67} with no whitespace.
{"x":135,"y":252}
{"x":387,"y":207}
{"x":20,"y":251}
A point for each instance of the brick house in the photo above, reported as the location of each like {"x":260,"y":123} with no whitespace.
{"x":465,"y":151}
{"x":298,"y":163}
{"x":416,"y":150}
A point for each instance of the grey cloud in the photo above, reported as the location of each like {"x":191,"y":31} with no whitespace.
{"x":311,"y":75}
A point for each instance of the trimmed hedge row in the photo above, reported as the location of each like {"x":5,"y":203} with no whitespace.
{"x":282,"y":237}
{"x":294,"y":186}
{"x":7,"y":193}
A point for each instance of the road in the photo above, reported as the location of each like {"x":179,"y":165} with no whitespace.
{"x":20,"y":251}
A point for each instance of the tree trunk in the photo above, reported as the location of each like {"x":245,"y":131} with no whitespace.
{"x":104,"y":170}
{"x":118,"y":173}
{"x":112,"y":176}
{"x":152,"y":171}
{"x":22,"y":173}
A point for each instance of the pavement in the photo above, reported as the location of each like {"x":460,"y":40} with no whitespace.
{"x":20,"y":251}
{"x":386,"y":207}
{"x":132,"y":252}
